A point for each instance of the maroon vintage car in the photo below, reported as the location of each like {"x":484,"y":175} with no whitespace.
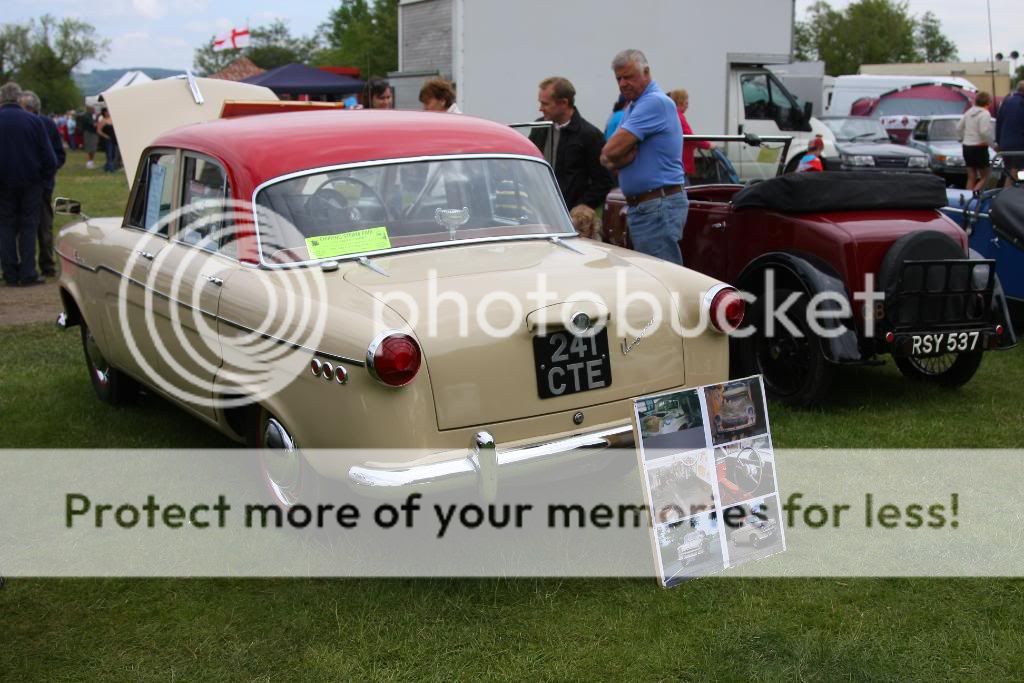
{"x":870,"y":254}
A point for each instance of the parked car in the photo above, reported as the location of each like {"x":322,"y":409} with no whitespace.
{"x":994,"y":234}
{"x":863,"y":144}
{"x":290,"y":319}
{"x":809,"y":237}
{"x":937,"y":137}
{"x":695,"y":546}
{"x":736,"y":411}
{"x":754,"y":531}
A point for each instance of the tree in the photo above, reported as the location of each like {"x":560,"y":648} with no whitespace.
{"x":271,"y":46}
{"x":362,"y":34}
{"x":41,"y":55}
{"x":869,"y":32}
{"x":932,"y":45}
{"x":14,"y":49}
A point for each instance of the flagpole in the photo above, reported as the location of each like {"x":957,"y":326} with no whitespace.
{"x":991,"y":52}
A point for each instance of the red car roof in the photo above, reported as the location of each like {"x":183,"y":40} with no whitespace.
{"x":259,"y":148}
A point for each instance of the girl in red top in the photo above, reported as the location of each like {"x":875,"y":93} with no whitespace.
{"x":682,"y":100}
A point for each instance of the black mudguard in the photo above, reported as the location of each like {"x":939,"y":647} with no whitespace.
{"x":816,"y":276}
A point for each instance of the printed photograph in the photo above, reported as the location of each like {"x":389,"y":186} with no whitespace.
{"x":672,"y":423}
{"x":736,"y":410}
{"x":745,"y":470}
{"x":690,"y":548}
{"x":753,"y":530}
{"x":682,"y":487}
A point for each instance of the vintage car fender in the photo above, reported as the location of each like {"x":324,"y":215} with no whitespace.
{"x":815,"y":276}
{"x":1000,"y":311}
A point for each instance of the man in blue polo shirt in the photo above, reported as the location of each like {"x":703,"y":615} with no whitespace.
{"x":647,"y":151}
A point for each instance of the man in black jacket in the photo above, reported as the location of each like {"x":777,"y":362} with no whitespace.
{"x":30,"y":102}
{"x":26,"y":161}
{"x":576,"y":148}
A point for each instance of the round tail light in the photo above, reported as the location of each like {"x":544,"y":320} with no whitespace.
{"x":393,"y":359}
{"x":726,"y":309}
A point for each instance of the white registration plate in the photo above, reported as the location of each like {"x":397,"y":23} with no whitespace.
{"x":944,"y":342}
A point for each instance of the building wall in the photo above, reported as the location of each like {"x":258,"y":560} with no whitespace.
{"x":426,"y":38}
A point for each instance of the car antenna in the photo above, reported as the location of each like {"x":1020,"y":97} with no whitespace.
{"x":372,"y":266}
{"x":555,"y":239}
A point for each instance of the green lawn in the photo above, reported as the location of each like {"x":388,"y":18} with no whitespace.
{"x":504,"y":629}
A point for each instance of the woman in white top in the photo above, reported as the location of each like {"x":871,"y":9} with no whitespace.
{"x":975,"y":131}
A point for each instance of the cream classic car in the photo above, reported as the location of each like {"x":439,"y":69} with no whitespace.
{"x":373,"y":280}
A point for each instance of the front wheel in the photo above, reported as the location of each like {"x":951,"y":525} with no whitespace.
{"x":110,"y":384}
{"x":949,"y":370}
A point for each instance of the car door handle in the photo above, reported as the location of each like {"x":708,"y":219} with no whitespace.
{"x":213,"y":279}
{"x":148,"y":255}
{"x":718,"y":226}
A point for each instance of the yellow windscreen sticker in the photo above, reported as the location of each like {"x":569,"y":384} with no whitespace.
{"x":342,"y":244}
{"x":767,"y":155}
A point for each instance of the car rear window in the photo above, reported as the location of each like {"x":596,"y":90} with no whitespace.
{"x":372,"y":208}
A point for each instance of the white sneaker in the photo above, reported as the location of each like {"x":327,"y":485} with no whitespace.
{"x":89,"y":164}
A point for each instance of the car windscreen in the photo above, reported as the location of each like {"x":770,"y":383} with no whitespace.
{"x":857,"y":129}
{"x":363,"y":209}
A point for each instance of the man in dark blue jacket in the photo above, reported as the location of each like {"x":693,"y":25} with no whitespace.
{"x":47,"y":266}
{"x":1010,"y":129}
{"x":26,"y":161}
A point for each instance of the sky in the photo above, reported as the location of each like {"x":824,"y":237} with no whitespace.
{"x":165,"y":33}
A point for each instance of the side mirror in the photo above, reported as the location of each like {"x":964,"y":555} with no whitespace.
{"x":808,"y":109}
{"x":67,"y":207}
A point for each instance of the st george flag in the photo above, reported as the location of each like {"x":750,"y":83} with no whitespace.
{"x":231,"y":40}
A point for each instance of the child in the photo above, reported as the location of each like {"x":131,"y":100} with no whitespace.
{"x":811,"y":162}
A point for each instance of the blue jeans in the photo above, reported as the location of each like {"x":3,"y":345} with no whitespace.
{"x":656,"y":226}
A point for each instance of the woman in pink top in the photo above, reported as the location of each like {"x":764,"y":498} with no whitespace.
{"x":682,"y":100}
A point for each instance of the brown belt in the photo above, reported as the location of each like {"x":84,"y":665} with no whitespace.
{"x":653,"y":194}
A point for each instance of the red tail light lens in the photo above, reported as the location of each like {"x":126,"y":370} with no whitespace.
{"x":726,"y":310}
{"x":394,"y":359}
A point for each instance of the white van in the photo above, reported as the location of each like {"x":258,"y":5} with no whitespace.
{"x":840,"y":95}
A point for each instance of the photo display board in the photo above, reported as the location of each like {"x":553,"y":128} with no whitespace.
{"x":709,"y":477}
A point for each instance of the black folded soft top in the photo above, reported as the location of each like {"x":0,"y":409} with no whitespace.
{"x":843,"y":191}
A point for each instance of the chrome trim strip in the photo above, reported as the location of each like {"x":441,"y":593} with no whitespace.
{"x":229,"y":323}
{"x":473,"y":464}
{"x":390,"y":162}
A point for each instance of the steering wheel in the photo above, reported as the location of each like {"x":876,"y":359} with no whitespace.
{"x":746,"y":469}
{"x":327,"y":198}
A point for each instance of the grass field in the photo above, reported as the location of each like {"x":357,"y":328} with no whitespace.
{"x":504,"y":629}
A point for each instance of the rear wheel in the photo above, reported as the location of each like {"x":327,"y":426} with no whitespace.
{"x":110,"y":384}
{"x":948,"y":370}
{"x":793,"y":365}
{"x":286,"y":475}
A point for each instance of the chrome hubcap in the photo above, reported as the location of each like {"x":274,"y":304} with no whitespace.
{"x":100,"y":366}
{"x":281,"y":462}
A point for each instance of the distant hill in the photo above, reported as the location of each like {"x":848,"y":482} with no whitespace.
{"x":95,"y":82}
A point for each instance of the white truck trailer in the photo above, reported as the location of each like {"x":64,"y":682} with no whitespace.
{"x":497,"y":51}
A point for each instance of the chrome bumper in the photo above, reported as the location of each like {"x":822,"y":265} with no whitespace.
{"x":485,"y":460}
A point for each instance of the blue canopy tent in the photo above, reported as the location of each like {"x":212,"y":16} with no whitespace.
{"x":299,"y":79}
